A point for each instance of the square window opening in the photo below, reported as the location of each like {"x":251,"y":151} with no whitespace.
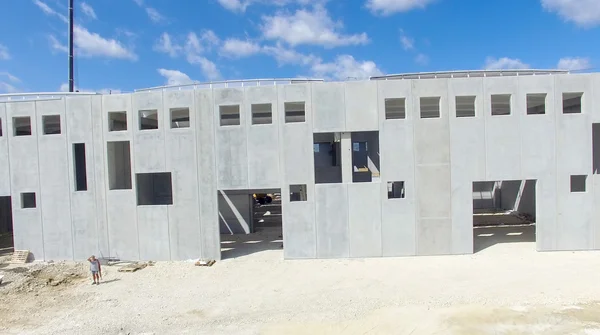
{"x":500,"y":104}
{"x":28,"y":200}
{"x":117,"y":121}
{"x":51,"y":124}
{"x":119,"y":165}
{"x":295,"y":112}
{"x":396,"y":190}
{"x":430,"y":107}
{"x":22,"y":126}
{"x":261,"y":113}
{"x":536,"y":104}
{"x":578,"y":183}
{"x":572,"y":103}
{"x":180,"y":117}
{"x":148,"y":119}
{"x":230,"y":115}
{"x":465,"y":106}
{"x":298,"y":193}
{"x":154,"y":189}
{"x":395,"y":108}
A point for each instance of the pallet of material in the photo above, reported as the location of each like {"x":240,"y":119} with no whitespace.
{"x":204,"y":262}
{"x":20,"y":257}
{"x":132,"y":267}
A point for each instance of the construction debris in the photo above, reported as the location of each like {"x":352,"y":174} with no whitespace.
{"x":132,"y":267}
{"x":20,"y":257}
{"x":205,"y":262}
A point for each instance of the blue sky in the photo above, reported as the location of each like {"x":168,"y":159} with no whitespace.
{"x":122,"y":45}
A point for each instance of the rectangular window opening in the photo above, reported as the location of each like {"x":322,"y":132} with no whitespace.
{"x":395,"y":108}
{"x":154,"y":189}
{"x":365,"y":157}
{"x":465,"y":106}
{"x":51,"y":124}
{"x":28,"y":200}
{"x":298,"y":193}
{"x":180,"y":117}
{"x":596,"y":148}
{"x":22,"y":126}
{"x":572,"y":103}
{"x":396,"y":190}
{"x":230,"y":115}
{"x":536,"y":103}
{"x":117,"y":121}
{"x":148,"y":119}
{"x":500,"y":104}
{"x":80,"y":167}
{"x":295,"y":112}
{"x":119,"y":165}
{"x":0,"y":127}
{"x":578,"y":183}
{"x":262,"y":113}
{"x":430,"y":107}
{"x":327,"y":158}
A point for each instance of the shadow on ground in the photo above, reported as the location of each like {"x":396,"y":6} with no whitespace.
{"x":233,"y":246}
{"x":485,"y":237}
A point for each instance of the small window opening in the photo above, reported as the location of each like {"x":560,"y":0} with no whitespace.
{"x":154,"y":189}
{"x":230,"y":115}
{"x":396,"y":190}
{"x":80,"y":167}
{"x":295,"y":112}
{"x":430,"y":107}
{"x":0,"y":127}
{"x":578,"y":183}
{"x":117,"y":121}
{"x":572,"y":103}
{"x":465,"y":106}
{"x":327,"y":158}
{"x":262,"y":114}
{"x":536,"y":103}
{"x":51,"y":124}
{"x":501,"y":104}
{"x":28,"y":200}
{"x":180,"y":117}
{"x":395,"y":108}
{"x":22,"y":126}
{"x":119,"y":165}
{"x":298,"y":193}
{"x":148,"y":119}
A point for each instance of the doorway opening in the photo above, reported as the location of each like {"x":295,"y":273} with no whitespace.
{"x":251,"y":221}
{"x":503,"y":212}
{"x":6,"y":226}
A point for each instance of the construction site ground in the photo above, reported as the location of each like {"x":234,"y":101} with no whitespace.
{"x":506,"y":288}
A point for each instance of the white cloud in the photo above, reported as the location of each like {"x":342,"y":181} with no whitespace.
{"x":408,"y":43}
{"x":56,"y":45}
{"x":421,"y":59}
{"x":504,"y":63}
{"x":235,"y":5}
{"x":585,"y":13}
{"x":4,"y":55}
{"x":389,"y":7}
{"x":166,"y":45}
{"x":235,"y":48}
{"x":240,"y":6}
{"x":10,"y":77}
{"x":574,"y":63}
{"x":8,"y":88}
{"x":7,"y":82}
{"x":285,"y":55}
{"x":154,"y":15}
{"x":346,"y":67}
{"x":175,"y":77}
{"x":308,"y":27}
{"x":88,"y":10}
{"x":208,"y":68}
{"x":90,"y":44}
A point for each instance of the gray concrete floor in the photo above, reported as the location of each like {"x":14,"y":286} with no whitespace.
{"x":486,"y":237}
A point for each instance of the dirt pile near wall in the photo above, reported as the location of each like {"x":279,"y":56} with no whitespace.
{"x":38,"y":277}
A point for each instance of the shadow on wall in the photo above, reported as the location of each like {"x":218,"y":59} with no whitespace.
{"x":509,"y":195}
{"x":487,"y":237}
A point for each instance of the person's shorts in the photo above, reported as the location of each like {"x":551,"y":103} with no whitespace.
{"x":94,"y":273}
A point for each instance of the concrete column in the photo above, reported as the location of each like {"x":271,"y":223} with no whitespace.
{"x":346,"y":147}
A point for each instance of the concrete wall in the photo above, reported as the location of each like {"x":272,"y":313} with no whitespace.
{"x":438,"y":159}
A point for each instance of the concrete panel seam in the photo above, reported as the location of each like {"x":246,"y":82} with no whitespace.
{"x":38,"y":195}
{"x":66,"y":137}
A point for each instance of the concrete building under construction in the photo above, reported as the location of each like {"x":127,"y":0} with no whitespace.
{"x":391,"y":166}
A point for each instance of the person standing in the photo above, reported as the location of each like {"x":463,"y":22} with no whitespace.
{"x":95,"y":269}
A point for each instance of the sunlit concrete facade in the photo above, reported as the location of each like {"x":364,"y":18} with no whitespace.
{"x":436,"y":158}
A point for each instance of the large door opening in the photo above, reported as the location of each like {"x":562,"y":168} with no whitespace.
{"x":6,"y":226}
{"x":503,"y":212}
{"x":250,"y":221}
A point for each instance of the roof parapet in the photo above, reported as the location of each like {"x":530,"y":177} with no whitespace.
{"x":469,"y":74}
{"x":15,"y":97}
{"x":233,"y":83}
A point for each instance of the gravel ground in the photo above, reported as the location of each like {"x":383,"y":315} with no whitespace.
{"x":505,"y":289}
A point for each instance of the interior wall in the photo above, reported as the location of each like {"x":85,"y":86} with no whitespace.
{"x":235,"y":212}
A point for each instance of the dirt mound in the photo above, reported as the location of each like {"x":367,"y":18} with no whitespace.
{"x":38,"y":277}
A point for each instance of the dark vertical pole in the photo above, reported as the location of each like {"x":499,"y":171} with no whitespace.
{"x":71,"y":80}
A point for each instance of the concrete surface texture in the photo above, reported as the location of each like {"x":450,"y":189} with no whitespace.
{"x":222,"y":150}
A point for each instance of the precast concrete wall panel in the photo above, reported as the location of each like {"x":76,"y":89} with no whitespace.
{"x":99,"y":175}
{"x":24,"y":166}
{"x":362,"y":103}
{"x":207,"y":174}
{"x":55,"y":192}
{"x":232,"y":152}
{"x":546,"y":213}
{"x":432,"y":135}
{"x":502,"y":132}
{"x":4,"y":158}
{"x":149,"y":144}
{"x":333,"y":236}
{"x":263,"y":140}
{"x":153,"y":227}
{"x":329,"y":107}
{"x":118,"y":103}
{"x":364,"y":215}
{"x":299,"y":230}
{"x":79,"y":128}
{"x":182,"y":161}
{"x":467,"y":152}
